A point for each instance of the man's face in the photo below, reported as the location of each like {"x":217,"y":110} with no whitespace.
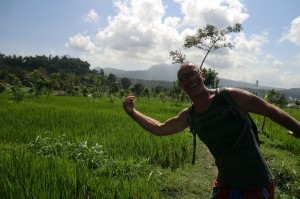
{"x":190,"y":79}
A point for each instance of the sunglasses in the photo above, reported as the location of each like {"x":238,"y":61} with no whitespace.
{"x":186,"y":76}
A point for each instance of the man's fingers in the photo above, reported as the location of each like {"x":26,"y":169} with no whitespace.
{"x":128,"y":100}
{"x":293,"y":134}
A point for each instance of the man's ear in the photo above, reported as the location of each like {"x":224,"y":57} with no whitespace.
{"x":203,"y":75}
{"x":179,"y":84}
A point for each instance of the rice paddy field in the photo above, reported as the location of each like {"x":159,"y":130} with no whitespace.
{"x":74,"y":147}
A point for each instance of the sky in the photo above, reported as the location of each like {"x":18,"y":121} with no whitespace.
{"x":137,"y":34}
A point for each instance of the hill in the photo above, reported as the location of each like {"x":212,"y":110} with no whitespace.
{"x":165,"y":75}
{"x":161,"y":72}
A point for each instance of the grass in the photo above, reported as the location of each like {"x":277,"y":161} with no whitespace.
{"x":282,"y":154}
{"x":73,"y":147}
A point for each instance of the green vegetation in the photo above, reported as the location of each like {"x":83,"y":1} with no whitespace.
{"x":76,"y":147}
{"x":83,"y":145}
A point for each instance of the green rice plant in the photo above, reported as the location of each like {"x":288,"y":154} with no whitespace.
{"x":100,"y":122}
{"x":92,"y":149}
{"x":25,"y":175}
{"x":277,"y":136}
{"x":282,"y":154}
{"x":94,"y":157}
{"x":287,"y":179}
{"x":70,"y":161}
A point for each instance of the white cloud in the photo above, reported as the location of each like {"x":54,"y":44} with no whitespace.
{"x":245,"y":54}
{"x":297,"y":62}
{"x":172,"y":21}
{"x":288,"y":79}
{"x":218,"y":12}
{"x":140,"y":35}
{"x":253,"y":45}
{"x":294,"y":33}
{"x":277,"y":63}
{"x":92,"y":16}
{"x":269,"y":56}
{"x":81,"y":43}
{"x":248,"y":62}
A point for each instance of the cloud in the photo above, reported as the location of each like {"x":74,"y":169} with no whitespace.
{"x":135,"y":39}
{"x":245,"y":54}
{"x":92,"y":16}
{"x":297,"y":62}
{"x":277,"y":63}
{"x":218,"y":12}
{"x":81,"y":43}
{"x":294,"y":33}
{"x":288,"y":79}
{"x":141,"y":33}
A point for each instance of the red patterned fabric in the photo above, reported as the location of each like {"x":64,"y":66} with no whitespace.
{"x":225,"y":192}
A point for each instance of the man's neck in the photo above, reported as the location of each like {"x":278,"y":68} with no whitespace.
{"x":203,"y":101}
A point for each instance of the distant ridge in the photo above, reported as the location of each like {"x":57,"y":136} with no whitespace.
{"x":167,"y":73}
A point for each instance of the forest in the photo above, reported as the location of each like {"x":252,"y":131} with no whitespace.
{"x":42,"y":75}
{"x":80,"y":132}
{"x":68,"y":76}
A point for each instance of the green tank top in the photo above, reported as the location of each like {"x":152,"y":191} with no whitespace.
{"x":237,"y":156}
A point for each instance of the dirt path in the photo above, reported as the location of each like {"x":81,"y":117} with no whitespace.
{"x":191,"y":181}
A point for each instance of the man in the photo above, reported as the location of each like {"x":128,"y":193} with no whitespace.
{"x":242,"y":171}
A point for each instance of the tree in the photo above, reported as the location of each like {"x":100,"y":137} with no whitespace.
{"x":211,"y":77}
{"x":95,"y":85}
{"x":52,"y":82}
{"x":297,"y":102}
{"x":138,"y":89}
{"x":111,"y":79}
{"x":38,"y":82}
{"x":147,"y":92}
{"x":114,"y":88}
{"x":102,"y":72}
{"x":176,"y":93}
{"x":177,"y":56}
{"x":70,"y":81}
{"x":126,"y":83}
{"x":276,"y":98}
{"x":157,"y":89}
{"x":16,"y":88}
{"x":208,"y":39}
{"x":211,"y":39}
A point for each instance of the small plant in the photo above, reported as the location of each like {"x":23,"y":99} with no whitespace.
{"x":286,"y":179}
{"x":16,"y":88}
{"x":93,"y":157}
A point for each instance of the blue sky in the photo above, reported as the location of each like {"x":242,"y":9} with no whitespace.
{"x":136,"y":34}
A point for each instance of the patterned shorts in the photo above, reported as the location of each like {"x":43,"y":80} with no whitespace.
{"x":225,"y":192}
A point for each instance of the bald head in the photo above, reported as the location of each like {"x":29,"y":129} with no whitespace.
{"x":187,"y":65}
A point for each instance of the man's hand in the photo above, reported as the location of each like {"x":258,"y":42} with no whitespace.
{"x":128,"y":104}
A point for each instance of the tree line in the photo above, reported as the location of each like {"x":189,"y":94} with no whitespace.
{"x":42,"y":75}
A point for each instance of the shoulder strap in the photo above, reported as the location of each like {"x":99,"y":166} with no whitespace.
{"x":246,"y":117}
{"x":192,"y":130}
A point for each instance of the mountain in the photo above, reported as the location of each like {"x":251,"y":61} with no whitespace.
{"x":166,"y":74}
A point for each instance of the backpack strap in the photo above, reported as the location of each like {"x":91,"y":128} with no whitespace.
{"x":192,"y":130}
{"x":245,"y":116}
{"x":231,"y":105}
